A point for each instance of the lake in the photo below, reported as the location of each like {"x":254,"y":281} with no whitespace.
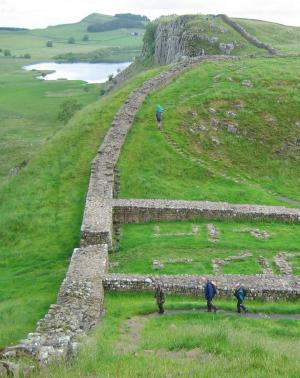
{"x":89,"y":72}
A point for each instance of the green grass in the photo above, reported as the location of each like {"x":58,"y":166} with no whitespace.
{"x":140,"y":245}
{"x":263,"y":156}
{"x":224,"y":345}
{"x":29,"y":111}
{"x":41,"y":211}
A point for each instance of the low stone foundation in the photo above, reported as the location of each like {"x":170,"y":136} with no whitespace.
{"x":268,"y":287}
{"x":140,"y":211}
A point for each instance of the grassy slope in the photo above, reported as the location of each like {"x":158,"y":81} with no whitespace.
{"x":41,"y":212}
{"x":29,"y":110}
{"x":286,"y":39}
{"x":140,"y":246}
{"x":266,"y":160}
{"x":226,"y":344}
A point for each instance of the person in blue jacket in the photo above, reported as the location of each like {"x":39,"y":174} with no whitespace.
{"x":159,"y":112}
{"x":210,"y":291}
{"x":240,"y":294}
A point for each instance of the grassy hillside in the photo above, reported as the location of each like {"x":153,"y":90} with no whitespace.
{"x":33,"y":42}
{"x":41,"y":211}
{"x":131,"y":343}
{"x":232,"y":142}
{"x":29,"y":110}
{"x":285,"y":39}
{"x":141,"y":244}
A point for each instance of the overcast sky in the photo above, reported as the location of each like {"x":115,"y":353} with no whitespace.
{"x":39,"y":13}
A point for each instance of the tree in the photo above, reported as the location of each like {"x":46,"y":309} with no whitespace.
{"x":49,"y":44}
{"x":7,"y":52}
{"x":85,"y":38}
{"x":71,"y":40}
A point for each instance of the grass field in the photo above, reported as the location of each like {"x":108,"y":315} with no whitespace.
{"x":41,"y":211}
{"x":130,"y":343}
{"x":248,"y":134}
{"x":142,"y":244}
{"x":29,"y":111}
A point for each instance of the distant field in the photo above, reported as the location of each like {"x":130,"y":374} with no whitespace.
{"x":29,"y":111}
{"x":244,"y":140}
{"x":165,"y":241}
{"x":131,"y":343}
{"x":33,"y":42}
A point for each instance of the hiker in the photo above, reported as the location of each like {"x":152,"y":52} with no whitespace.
{"x":210,"y":291}
{"x":160,"y":299}
{"x":159,"y":112}
{"x":240,"y":294}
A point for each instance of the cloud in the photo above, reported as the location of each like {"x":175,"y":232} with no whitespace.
{"x":33,"y":13}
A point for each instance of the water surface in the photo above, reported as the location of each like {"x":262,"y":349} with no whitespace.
{"x":89,"y":72}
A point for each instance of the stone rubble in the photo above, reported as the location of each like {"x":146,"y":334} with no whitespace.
{"x":217,"y":264}
{"x":213,"y":233}
{"x":264,"y":263}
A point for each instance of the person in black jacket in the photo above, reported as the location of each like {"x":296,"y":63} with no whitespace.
{"x":160,"y":297}
{"x":210,"y":291}
{"x":240,"y":294}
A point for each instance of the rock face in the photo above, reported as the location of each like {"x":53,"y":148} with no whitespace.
{"x":169,"y":42}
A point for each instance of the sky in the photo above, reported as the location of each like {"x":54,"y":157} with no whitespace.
{"x":39,"y":13}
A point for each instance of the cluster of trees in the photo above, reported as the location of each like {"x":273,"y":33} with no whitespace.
{"x":121,"y":20}
{"x":12,"y":29}
{"x":7,"y":53}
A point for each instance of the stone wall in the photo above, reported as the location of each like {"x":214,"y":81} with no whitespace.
{"x":139,"y":211}
{"x":250,"y":38}
{"x":78,"y":308}
{"x":269,"y":287}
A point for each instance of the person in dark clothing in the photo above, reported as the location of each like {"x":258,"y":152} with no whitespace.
{"x":210,"y":291}
{"x":160,"y":299}
{"x":240,"y":294}
{"x":159,"y":112}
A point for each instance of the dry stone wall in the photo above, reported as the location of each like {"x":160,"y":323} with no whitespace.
{"x":139,"y":211}
{"x":267,"y":287}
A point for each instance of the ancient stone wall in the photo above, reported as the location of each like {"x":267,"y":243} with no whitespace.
{"x":78,"y":308}
{"x":269,"y":287}
{"x":139,"y":211}
{"x":250,"y":38}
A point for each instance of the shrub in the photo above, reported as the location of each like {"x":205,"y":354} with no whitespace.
{"x":7,"y":52}
{"x":71,"y":40}
{"x":49,"y":44}
{"x":67,"y":109}
{"x":85,"y":38}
